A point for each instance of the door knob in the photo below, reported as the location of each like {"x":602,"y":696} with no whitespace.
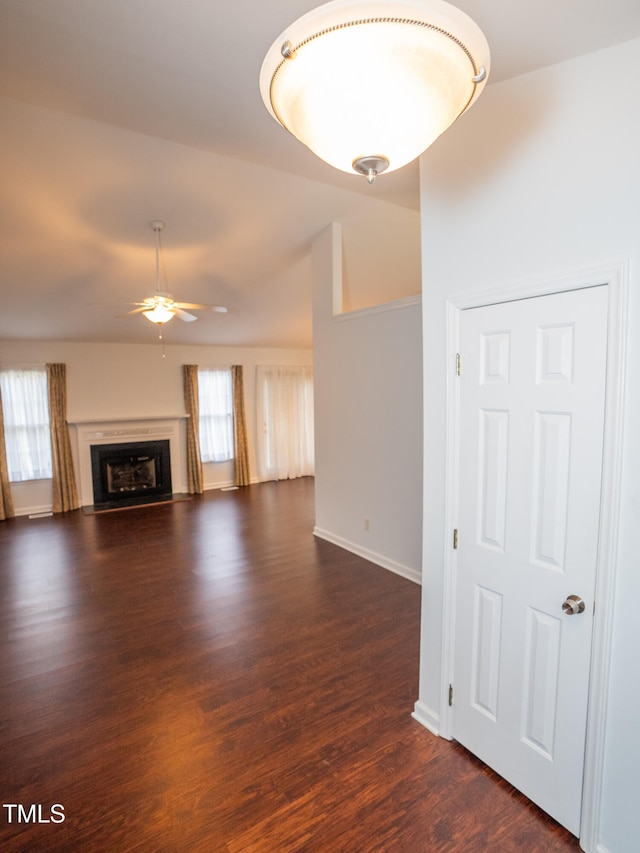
{"x":572,"y":605}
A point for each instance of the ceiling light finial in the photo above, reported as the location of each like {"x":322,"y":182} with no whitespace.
{"x":374,"y":75}
{"x":370,"y":166}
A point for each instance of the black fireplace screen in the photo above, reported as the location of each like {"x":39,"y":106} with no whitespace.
{"x":130,"y":472}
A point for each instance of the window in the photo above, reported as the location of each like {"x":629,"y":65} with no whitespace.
{"x":25,"y":406}
{"x":215,"y":399}
{"x":284,"y":398}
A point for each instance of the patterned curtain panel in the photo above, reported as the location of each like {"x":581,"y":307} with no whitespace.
{"x":194,"y":463}
{"x":6,"y":504}
{"x":65,"y":492}
{"x":241,"y":446}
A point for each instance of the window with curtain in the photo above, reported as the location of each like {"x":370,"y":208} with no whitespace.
{"x":26,"y":424}
{"x":284,"y":399}
{"x":215,"y":399}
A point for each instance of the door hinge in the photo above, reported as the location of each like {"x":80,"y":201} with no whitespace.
{"x":455,"y":538}
{"x":457,"y":364}
{"x":450,"y":695}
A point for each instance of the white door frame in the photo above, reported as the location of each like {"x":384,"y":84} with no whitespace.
{"x":615,"y":277}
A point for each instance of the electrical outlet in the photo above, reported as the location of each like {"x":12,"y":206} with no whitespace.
{"x":366,"y":524}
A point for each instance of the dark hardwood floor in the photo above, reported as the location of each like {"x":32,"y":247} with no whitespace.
{"x":208,"y":676}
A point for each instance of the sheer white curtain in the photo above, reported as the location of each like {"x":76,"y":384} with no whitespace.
{"x":26,"y":424}
{"x":215,"y":395}
{"x":284,"y":403}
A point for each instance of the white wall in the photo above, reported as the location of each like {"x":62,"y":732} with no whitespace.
{"x":134,"y":381}
{"x":368,"y":433}
{"x":541,"y":178}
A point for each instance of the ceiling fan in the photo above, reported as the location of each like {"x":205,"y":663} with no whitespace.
{"x":161,"y":307}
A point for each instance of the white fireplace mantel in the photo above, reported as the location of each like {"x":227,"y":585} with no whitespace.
{"x":91,"y":431}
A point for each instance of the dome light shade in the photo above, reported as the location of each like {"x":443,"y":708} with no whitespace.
{"x":368,"y":85}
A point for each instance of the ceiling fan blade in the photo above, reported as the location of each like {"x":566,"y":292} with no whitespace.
{"x":183,"y":315}
{"x":134,"y":311}
{"x":198,"y":307}
{"x":190,"y":305}
{"x":114,"y":303}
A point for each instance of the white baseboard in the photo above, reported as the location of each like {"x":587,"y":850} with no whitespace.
{"x":225,"y":484}
{"x":427,"y":717}
{"x":33,"y":510}
{"x":378,"y":559}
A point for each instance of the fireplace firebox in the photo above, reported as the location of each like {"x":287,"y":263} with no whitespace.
{"x":130,"y":473}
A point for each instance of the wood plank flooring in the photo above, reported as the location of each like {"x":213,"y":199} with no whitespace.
{"x":208,"y":676}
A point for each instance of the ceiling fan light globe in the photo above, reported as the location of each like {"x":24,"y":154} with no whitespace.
{"x":159,"y":314}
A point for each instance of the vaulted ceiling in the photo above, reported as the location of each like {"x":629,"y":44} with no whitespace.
{"x":117,"y":113}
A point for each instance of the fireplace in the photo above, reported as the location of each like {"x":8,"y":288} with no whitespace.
{"x":131,"y":473}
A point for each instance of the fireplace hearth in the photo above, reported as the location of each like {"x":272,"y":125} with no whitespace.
{"x":130,"y":473}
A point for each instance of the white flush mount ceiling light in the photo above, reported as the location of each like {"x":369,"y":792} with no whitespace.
{"x":368,"y":85}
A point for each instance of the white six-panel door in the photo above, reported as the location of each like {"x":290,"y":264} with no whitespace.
{"x":532,"y":417}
